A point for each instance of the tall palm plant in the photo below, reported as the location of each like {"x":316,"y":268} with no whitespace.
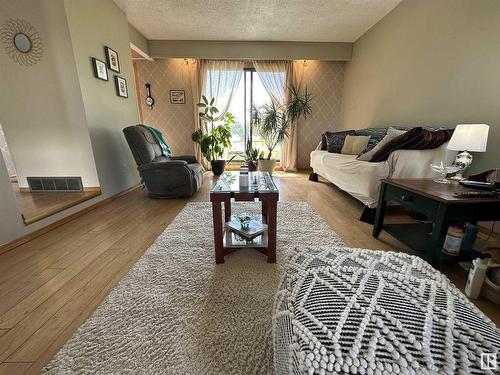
{"x":274,"y":121}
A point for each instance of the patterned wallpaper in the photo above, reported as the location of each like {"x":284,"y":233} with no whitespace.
{"x":324,"y":79}
{"x":175,"y":121}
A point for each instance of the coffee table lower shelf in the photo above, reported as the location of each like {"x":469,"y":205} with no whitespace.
{"x":418,"y":237}
{"x":231,"y":241}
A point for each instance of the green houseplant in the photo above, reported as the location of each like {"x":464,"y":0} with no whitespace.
{"x":213,"y":140}
{"x":274,"y":122}
{"x":251,"y":156}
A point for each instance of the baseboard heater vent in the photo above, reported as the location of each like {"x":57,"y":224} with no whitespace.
{"x":55,"y":183}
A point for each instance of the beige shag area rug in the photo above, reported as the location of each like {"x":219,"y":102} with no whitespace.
{"x":177,"y":312}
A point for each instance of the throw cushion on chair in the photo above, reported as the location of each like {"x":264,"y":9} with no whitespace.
{"x":354,"y":144}
{"x":335,"y":141}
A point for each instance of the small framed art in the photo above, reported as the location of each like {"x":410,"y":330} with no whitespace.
{"x":100,"y":70}
{"x":112,"y":59}
{"x":121,"y":87}
{"x":177,"y":97}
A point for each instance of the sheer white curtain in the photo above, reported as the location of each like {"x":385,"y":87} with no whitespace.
{"x":277,"y":77}
{"x":215,"y":79}
{"x":196,"y":80}
{"x":220,"y":79}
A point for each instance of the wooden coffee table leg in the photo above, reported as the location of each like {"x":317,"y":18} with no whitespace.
{"x":264,"y":211}
{"x":219,"y":245}
{"x":227,"y":209}
{"x":271,"y":222}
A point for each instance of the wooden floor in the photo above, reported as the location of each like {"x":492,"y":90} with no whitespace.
{"x":39,"y":205}
{"x":50,"y":285}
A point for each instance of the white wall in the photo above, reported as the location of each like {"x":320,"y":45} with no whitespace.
{"x":40,"y":105}
{"x":432,"y":62}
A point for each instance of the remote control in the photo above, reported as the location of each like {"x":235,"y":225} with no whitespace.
{"x":475,"y":194}
{"x":477,"y":184}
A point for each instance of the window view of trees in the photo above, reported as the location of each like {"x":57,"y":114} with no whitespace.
{"x":249,"y":92}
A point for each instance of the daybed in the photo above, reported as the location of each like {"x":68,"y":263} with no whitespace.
{"x":361,"y":179}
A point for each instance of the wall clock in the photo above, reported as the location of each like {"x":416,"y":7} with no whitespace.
{"x":149,"y":99}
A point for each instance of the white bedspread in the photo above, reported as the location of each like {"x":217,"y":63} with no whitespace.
{"x":361,"y":179}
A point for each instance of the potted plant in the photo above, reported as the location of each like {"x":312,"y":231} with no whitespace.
{"x":251,"y":157}
{"x":274,"y":121}
{"x":213,"y":140}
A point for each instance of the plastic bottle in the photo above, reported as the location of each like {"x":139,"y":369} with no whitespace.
{"x":453,"y":241}
{"x":477,"y":270}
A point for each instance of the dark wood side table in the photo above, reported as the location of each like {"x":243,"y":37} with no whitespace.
{"x":438,"y":203}
{"x":226,"y":189}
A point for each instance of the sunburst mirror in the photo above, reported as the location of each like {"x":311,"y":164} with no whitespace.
{"x":21,"y":41}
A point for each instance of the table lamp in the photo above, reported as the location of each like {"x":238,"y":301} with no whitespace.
{"x":468,"y":137}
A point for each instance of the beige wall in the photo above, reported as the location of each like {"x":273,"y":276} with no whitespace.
{"x":42,"y":113}
{"x":137,"y":39}
{"x":324,"y":79}
{"x":40,"y":105}
{"x":175,"y":121}
{"x":433,"y":62}
{"x":61,"y":90}
{"x":94,"y":24}
{"x":203,"y":49}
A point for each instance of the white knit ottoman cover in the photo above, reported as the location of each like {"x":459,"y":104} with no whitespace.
{"x":358,"y":311}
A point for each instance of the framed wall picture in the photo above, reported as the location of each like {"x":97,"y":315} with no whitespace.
{"x":177,"y":97}
{"x":100,"y":70}
{"x":121,"y":87}
{"x":112,"y":59}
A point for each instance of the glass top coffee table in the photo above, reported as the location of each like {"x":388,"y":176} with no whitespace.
{"x":227,"y":239}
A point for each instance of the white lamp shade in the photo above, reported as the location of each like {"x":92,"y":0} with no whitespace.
{"x":469,"y":137}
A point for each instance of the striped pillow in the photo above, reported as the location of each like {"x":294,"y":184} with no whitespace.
{"x":414,"y":139}
{"x":433,"y":139}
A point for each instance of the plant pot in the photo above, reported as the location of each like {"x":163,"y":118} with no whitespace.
{"x":218,"y":167}
{"x":252,"y":166}
{"x":267,"y":165}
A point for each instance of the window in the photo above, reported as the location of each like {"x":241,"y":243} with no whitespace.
{"x":250,"y":92}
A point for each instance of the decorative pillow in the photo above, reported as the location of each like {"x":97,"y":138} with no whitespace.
{"x":354,"y":144}
{"x":391,"y":134}
{"x":376,"y":135}
{"x":433,"y":139}
{"x":414,"y":139}
{"x":406,"y":141}
{"x":323,"y":146}
{"x":397,"y":131}
{"x":335,"y":141}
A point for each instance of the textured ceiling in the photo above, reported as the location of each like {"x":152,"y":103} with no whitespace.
{"x":255,"y":20}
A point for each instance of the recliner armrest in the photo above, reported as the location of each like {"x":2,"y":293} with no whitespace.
{"x":169,"y":164}
{"x":187,"y":158}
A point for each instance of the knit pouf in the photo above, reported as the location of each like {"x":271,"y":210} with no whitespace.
{"x":358,"y":311}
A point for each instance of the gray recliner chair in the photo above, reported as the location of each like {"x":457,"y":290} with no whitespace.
{"x":165,"y":177}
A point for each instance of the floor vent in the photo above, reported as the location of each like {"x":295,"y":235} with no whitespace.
{"x":55,"y":183}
